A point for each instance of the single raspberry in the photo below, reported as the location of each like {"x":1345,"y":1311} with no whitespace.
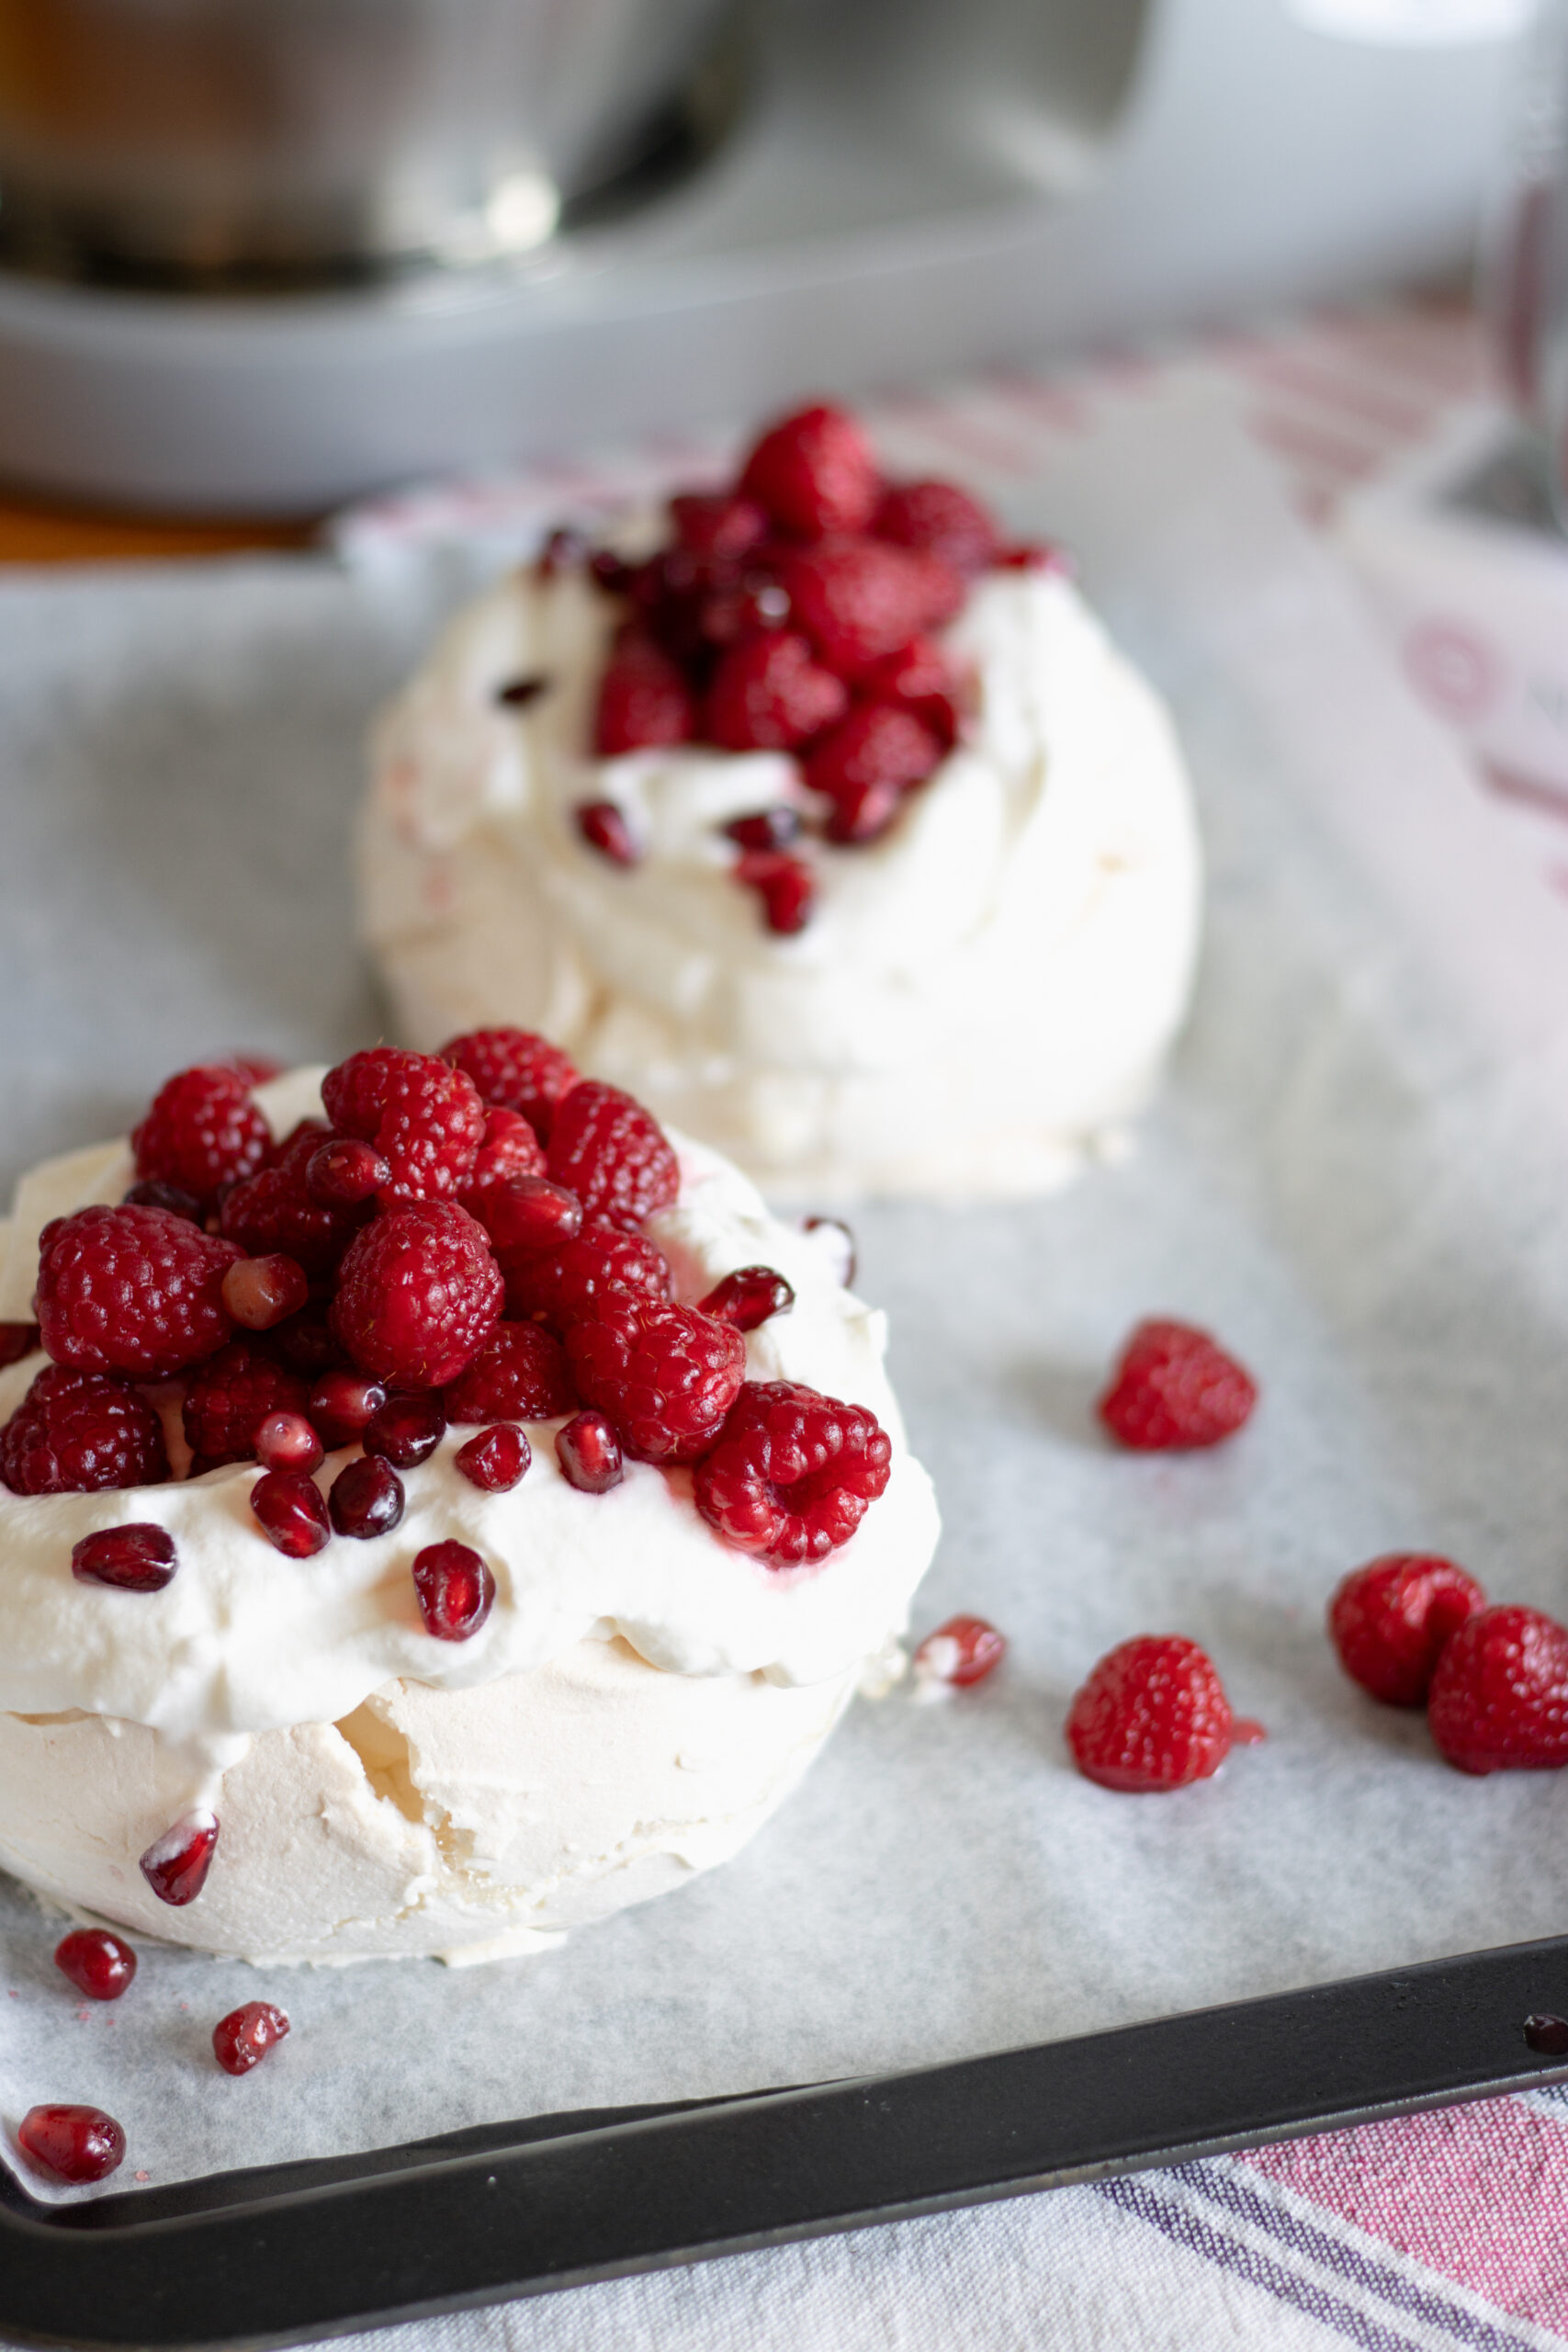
{"x":202,"y":1132}
{"x":417,"y":1294}
{"x":666,"y":1376}
{"x":97,"y":1963}
{"x":859,"y":600}
{"x":919,"y":678}
{"x":516,"y":1069}
{"x":770,"y":694}
{"x":1175,"y":1387}
{"x":718,"y":525}
{"x":74,"y":2144}
{"x":1153,"y":1714}
{"x":423,"y":1116}
{"x":556,"y":1287}
{"x":814,"y":472}
{"x":495,"y":1461}
{"x":943,"y":520}
{"x":75,"y":1432}
{"x":644,"y":700}
{"x":958,"y":1654}
{"x":244,"y":2038}
{"x":136,"y":1291}
{"x":519,"y":1375}
{"x":793,"y":1474}
{"x":1390,"y":1620}
{"x":786,"y":884}
{"x":274,"y":1211}
{"x":510,"y":1150}
{"x":602,"y":824}
{"x":1499,"y":1696}
{"x":613,"y":1154}
{"x":229,"y":1398}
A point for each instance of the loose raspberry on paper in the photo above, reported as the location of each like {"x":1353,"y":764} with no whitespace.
{"x":515,"y":1069}
{"x":423,"y":1116}
{"x":556,"y":1287}
{"x":131,"y":1290}
{"x":770,"y":694}
{"x":814,"y":474}
{"x":644,"y":700}
{"x":229,"y":1398}
{"x":519,"y":1375}
{"x":418,"y":1295}
{"x":1499,"y":1701}
{"x":274,"y":1211}
{"x":76,"y":1432}
{"x":1174,"y":1387}
{"x":793,"y":1474}
{"x":202,"y":1132}
{"x":613,"y":1154}
{"x":942,"y":520}
{"x":1153,"y":1715}
{"x":666,"y":1376}
{"x":1391,"y":1620}
{"x":859,"y":599}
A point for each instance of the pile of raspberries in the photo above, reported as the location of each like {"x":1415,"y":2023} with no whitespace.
{"x":459,"y":1240}
{"x":795,"y":612}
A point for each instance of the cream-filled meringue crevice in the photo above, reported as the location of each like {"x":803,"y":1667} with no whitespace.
{"x":639,"y":1700}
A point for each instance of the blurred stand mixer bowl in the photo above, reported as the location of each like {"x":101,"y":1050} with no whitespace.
{"x":256,"y":144}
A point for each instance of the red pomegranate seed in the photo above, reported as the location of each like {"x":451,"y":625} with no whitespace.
{"x":288,"y":1441}
{"x":1035,"y":555}
{"x":340,"y":1404}
{"x":345,"y":1172}
{"x":605,"y":828}
{"x":260,"y":1292}
{"x":366,"y":1498}
{"x":405,"y":1431}
{"x":748,"y":1297}
{"x":76,"y":2143}
{"x":529,"y":1213}
{"x":242,"y":2039}
{"x":137,"y":1558}
{"x":786,"y":886}
{"x":291,"y":1513}
{"x":152,"y":1193}
{"x":589,"y":1452}
{"x":496,"y":1459}
{"x":98,"y":1964}
{"x":176,"y":1865}
{"x":518,"y":693}
{"x":456,"y":1591}
{"x":774,"y":828}
{"x":846,"y":1252}
{"x":963,"y":1651}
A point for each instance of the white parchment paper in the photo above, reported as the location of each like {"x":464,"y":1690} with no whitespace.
{"x":1356,"y":1176}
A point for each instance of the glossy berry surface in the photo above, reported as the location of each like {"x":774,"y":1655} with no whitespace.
{"x":229,"y":1398}
{"x":1499,"y":1701}
{"x":137,"y":1558}
{"x":613,"y":1154}
{"x":813,"y":473}
{"x":1152,"y":1715}
{"x":497,"y":1460}
{"x":786,"y":884}
{"x":244,"y":2037}
{"x":589,"y":1455}
{"x":530,"y":1212}
{"x":517,"y":1069}
{"x":366,"y":1498}
{"x":557,"y":1287}
{"x":771,"y":693}
{"x":176,"y":1865}
{"x":519,"y":1375}
{"x":603,"y":826}
{"x":260,"y":1292}
{"x":79,"y":1432}
{"x":1389,"y":1621}
{"x":510,"y":1153}
{"x":341,"y":1404}
{"x":423,"y":1116}
{"x":418,"y":1292}
{"x":74,"y":2144}
{"x":97,"y":1961}
{"x":941,"y":518}
{"x":644,"y":700}
{"x":133,"y":1290}
{"x":749,"y":1298}
{"x":793,"y":1474}
{"x":960,"y":1653}
{"x":1175,"y":1387}
{"x":664,"y":1375}
{"x":275,"y":1210}
{"x":287,"y":1441}
{"x":455,"y":1590}
{"x":405,"y":1431}
{"x":202,"y":1132}
{"x":291,"y":1512}
{"x":345,"y":1171}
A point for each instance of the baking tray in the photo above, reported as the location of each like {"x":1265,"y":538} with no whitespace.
{"x":293,"y":2251}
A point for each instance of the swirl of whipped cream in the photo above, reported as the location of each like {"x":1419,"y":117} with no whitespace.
{"x":982,"y":995}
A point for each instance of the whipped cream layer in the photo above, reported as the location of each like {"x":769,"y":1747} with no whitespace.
{"x":981,"y":996}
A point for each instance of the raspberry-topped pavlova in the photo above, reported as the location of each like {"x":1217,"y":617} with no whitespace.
{"x":830,"y":821}
{"x":436,"y":1508}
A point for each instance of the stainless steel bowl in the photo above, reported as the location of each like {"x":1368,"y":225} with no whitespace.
{"x":202,"y":142}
